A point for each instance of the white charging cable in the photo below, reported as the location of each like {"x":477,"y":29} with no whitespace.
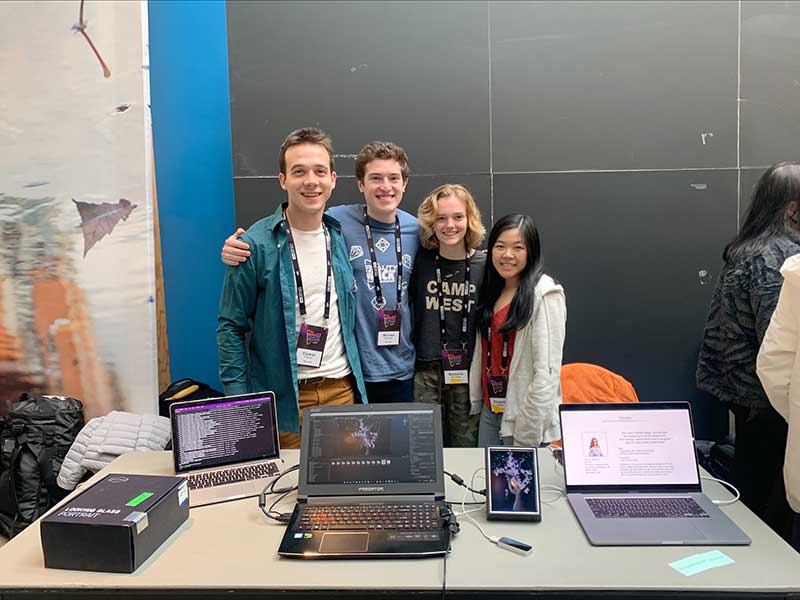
{"x":546,"y":487}
{"x":503,"y":542}
{"x":726,"y":484}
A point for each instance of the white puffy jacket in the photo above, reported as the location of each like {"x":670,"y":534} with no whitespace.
{"x":105,"y":438}
{"x":778,"y":368}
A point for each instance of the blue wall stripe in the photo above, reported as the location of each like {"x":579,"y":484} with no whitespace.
{"x":190,"y":103}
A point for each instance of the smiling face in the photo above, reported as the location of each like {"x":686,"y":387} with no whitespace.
{"x":451,"y":221}
{"x":308,"y":180}
{"x":383,"y":187}
{"x":509,"y":255}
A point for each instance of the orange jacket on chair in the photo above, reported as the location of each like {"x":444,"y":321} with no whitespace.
{"x":584,"y":383}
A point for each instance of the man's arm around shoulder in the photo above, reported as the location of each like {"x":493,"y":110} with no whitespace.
{"x":236,"y":307}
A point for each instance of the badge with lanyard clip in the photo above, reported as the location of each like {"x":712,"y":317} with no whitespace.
{"x":497,"y":385}
{"x":311,"y":338}
{"x":454,"y":362}
{"x":388,"y":320}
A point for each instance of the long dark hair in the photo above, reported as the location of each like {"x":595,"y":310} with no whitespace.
{"x":521,"y":309}
{"x":767,"y":217}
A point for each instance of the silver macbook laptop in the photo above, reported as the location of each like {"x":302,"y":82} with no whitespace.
{"x":632,"y":477}
{"x":227,"y":448}
{"x":371,"y":484}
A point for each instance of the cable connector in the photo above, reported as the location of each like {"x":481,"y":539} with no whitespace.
{"x":459,"y":481}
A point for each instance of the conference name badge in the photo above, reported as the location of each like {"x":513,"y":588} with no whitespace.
{"x":454,"y":363}
{"x":388,"y":328}
{"x":311,"y":345}
{"x":497,"y":386}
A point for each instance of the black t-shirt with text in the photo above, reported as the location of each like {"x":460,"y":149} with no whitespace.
{"x":423,"y":293}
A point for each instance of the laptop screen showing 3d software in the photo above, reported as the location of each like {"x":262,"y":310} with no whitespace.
{"x":372,"y":448}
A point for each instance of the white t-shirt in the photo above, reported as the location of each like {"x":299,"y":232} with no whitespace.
{"x":311,"y":257}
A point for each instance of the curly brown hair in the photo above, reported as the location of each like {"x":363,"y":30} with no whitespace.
{"x":381,"y":151}
{"x":428,"y":212}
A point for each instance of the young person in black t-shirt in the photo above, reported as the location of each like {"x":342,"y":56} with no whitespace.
{"x":444,"y":289}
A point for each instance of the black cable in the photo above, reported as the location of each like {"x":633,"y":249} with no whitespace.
{"x":270,"y":489}
{"x":459,"y":481}
{"x":444,"y":575}
{"x":276,"y":516}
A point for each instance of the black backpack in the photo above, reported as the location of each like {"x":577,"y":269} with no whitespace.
{"x":34,"y":439}
{"x":183,"y":390}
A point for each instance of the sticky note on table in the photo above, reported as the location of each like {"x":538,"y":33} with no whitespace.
{"x":697,"y":563}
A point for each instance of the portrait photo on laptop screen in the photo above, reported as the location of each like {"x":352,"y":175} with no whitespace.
{"x":629,"y":447}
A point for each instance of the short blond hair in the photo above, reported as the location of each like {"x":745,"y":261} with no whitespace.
{"x":428,"y":212}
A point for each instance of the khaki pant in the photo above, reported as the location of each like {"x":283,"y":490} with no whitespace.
{"x":328,"y":392}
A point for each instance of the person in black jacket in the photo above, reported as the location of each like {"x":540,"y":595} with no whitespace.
{"x":741,"y":306}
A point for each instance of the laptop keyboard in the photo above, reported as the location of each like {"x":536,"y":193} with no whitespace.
{"x":645,"y":508}
{"x":369,"y":516}
{"x":232,"y":475}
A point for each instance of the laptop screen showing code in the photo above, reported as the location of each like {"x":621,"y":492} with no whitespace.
{"x":223,"y":432}
{"x":372,"y":448}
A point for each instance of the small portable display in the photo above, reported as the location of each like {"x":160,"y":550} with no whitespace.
{"x":512,"y":484}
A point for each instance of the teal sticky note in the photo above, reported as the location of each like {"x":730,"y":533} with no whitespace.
{"x":697,"y":563}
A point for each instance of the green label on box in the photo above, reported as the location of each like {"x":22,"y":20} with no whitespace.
{"x":139,"y":499}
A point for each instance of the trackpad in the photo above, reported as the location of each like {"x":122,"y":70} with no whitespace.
{"x":334,"y":543}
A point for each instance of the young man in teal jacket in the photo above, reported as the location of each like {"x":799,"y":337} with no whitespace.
{"x":294,"y":296}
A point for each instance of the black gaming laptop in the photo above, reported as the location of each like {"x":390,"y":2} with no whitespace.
{"x":371,"y":484}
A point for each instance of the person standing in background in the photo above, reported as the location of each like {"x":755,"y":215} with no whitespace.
{"x":742,"y":304}
{"x":778,"y":368}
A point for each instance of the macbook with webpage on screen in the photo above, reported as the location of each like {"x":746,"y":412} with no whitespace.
{"x":632,"y":476}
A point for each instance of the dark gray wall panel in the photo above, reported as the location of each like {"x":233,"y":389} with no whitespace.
{"x":576,"y":86}
{"x":613,"y":85}
{"x":629,"y":249}
{"x":413,"y":73}
{"x":257,"y":197}
{"x":770,"y":128}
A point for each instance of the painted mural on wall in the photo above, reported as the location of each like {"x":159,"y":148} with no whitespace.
{"x":77,"y":310}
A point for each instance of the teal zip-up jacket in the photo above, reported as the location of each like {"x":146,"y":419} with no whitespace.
{"x":259,"y":296}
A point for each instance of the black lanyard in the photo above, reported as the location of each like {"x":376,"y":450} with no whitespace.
{"x":398,"y":246}
{"x":298,"y":280}
{"x":465,"y":307}
{"x":503,"y":360}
